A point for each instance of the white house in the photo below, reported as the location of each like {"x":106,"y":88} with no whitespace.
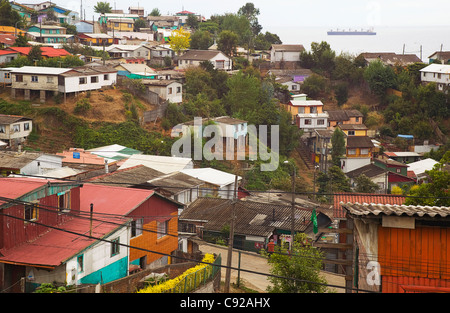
{"x":286,"y":53}
{"x":5,"y":75}
{"x":124,"y":51}
{"x":7,"y":56}
{"x":170,"y":90}
{"x":218,"y":59}
{"x":28,"y":79}
{"x":417,"y":169}
{"x":436,"y":73}
{"x":309,"y":113}
{"x":28,"y":163}
{"x":218,"y":183}
{"x":14,"y":129}
{"x":86,"y":78}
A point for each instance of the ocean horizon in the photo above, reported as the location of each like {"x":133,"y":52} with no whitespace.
{"x":421,"y":41}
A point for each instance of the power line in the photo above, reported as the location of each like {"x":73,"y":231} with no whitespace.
{"x":174,"y":256}
{"x":232,"y":190}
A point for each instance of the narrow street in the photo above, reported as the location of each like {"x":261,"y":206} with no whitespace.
{"x":254,"y":262}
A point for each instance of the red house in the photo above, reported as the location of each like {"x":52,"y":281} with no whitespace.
{"x":24,"y":201}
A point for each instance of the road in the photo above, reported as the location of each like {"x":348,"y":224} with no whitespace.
{"x":254,"y":262}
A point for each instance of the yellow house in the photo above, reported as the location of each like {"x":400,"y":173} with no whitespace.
{"x":10,"y":30}
{"x":121,"y":24}
{"x":354,"y":129}
{"x":300,"y":105}
{"x":96,"y":39}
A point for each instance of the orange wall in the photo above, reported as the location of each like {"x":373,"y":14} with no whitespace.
{"x":148,"y":240}
{"x":423,"y":252}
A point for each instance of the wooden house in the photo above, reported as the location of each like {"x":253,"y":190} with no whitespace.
{"x":400,"y":248}
{"x":218,"y":59}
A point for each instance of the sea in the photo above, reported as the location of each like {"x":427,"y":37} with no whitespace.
{"x":422,"y":41}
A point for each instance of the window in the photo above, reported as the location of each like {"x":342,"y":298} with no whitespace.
{"x":178,"y":89}
{"x":26,"y":126}
{"x":136,"y":227}
{"x":351,"y":133}
{"x":34,"y":79}
{"x":170,"y":90}
{"x":357,"y":119}
{"x":162,"y":228}
{"x":115,"y":246}
{"x":313,"y":110}
{"x":94,"y":79}
{"x":30,"y":212}
{"x":64,"y":201}
{"x":398,"y":170}
{"x":320,"y":122}
{"x":106,"y":77}
{"x":116,"y":24}
{"x":80,"y":263}
{"x":83,"y":80}
{"x":19,"y":78}
{"x":16,"y":128}
{"x":307,"y":122}
{"x":301,"y":110}
{"x":2,"y":129}
{"x":7,"y":75}
{"x":130,"y":25}
{"x":352,"y":151}
{"x":364,"y":151}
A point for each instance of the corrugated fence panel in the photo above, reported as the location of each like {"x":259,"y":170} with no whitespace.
{"x":419,"y":253}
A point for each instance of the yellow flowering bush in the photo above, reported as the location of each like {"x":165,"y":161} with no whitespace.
{"x":189,"y":280}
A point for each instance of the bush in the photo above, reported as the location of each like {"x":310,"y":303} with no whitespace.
{"x":82,"y":106}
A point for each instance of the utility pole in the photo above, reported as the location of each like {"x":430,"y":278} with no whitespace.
{"x":231,"y":239}
{"x":293,"y":208}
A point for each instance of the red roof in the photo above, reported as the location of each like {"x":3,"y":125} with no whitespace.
{"x":338,"y":211}
{"x":7,"y":39}
{"x":185,"y":12}
{"x":46,"y":51}
{"x":57,"y":246}
{"x":14,"y":188}
{"x":112,"y":200}
{"x":4,"y":52}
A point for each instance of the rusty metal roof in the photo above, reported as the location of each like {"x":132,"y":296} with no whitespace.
{"x":339,"y":198}
{"x":366,"y":209}
{"x":252,"y":218}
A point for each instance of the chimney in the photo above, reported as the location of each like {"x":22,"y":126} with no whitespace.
{"x":106,"y":167}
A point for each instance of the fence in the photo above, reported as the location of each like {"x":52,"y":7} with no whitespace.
{"x":199,"y":278}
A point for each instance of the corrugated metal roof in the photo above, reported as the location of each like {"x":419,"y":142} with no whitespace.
{"x":40,"y":70}
{"x":252,"y":218}
{"x":211,"y":175}
{"x":163,"y":164}
{"x":338,"y":211}
{"x":127,"y":177}
{"x":365,"y":209}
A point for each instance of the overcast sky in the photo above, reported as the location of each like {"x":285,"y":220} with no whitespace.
{"x":279,"y":13}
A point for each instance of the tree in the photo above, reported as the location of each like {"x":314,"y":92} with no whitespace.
{"x":314,"y":85}
{"x":155,"y":12}
{"x":180,"y":40}
{"x":338,"y":146}
{"x":192,"y":21}
{"x":365,"y":185}
{"x":35,"y":54}
{"x":341,"y":93}
{"x":102,"y":7}
{"x":139,"y":23}
{"x":436,"y":192}
{"x":228,"y":42}
{"x":21,"y":41}
{"x":251,"y":13}
{"x":8,"y":16}
{"x":302,"y":265}
{"x":201,"y":40}
{"x":379,"y":77}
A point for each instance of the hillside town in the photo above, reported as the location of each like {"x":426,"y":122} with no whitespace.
{"x":94,"y":198}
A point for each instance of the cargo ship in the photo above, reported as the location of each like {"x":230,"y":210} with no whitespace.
{"x":352,"y":32}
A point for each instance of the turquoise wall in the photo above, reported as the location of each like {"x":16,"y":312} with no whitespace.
{"x":107,"y":274}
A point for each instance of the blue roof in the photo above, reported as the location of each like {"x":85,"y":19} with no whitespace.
{"x":406,"y":136}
